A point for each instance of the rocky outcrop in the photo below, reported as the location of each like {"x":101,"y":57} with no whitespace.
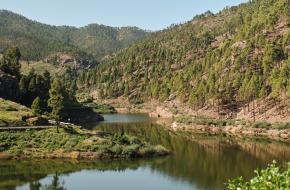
{"x":9,"y":87}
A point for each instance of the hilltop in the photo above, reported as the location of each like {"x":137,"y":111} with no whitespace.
{"x":39,"y":41}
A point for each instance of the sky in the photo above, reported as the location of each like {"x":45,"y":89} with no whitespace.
{"x":145,"y":14}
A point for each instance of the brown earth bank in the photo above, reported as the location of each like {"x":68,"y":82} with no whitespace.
{"x":267,"y":109}
{"x":258,"y":119}
{"x":232,"y":130}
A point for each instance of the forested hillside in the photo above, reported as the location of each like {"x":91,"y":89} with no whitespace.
{"x":223,"y":61}
{"x":38,"y":41}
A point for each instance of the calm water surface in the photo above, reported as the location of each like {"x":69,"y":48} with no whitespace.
{"x":204,"y":163}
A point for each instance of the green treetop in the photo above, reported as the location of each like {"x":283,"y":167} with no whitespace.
{"x":56,"y":99}
{"x":10,"y":62}
{"x":37,"y":106}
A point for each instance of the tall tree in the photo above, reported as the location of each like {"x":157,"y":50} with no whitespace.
{"x":56,"y":100}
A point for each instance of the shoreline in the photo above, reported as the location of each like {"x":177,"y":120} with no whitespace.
{"x":282,"y":135}
{"x":75,"y":155}
{"x":172,"y":108}
{"x":166,"y":117}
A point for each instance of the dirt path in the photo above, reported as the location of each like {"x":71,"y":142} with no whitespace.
{"x":24,"y":128}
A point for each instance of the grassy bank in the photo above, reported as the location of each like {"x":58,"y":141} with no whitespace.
{"x":13,"y":114}
{"x":40,"y":68}
{"x":72,"y":142}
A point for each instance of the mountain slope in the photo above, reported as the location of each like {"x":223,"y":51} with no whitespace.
{"x":221,"y":61}
{"x":37,"y":40}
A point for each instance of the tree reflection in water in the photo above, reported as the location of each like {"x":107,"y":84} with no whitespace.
{"x":56,"y":184}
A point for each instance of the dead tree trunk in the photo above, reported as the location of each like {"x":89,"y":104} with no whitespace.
{"x":254,"y":113}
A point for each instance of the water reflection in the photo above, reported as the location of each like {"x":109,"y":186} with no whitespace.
{"x":207,"y":162}
{"x":201,"y":163}
{"x":55,"y":184}
{"x":125,"y":118}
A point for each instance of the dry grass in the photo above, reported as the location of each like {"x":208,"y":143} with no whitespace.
{"x":39,"y":68}
{"x":12,"y":113}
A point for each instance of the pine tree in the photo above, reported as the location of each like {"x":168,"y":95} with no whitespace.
{"x":23,"y":84}
{"x":284,"y":80}
{"x":37,"y":106}
{"x":32,"y":85}
{"x":56,"y":100}
{"x":47,"y":78}
{"x":72,"y":90}
{"x":193,"y":99}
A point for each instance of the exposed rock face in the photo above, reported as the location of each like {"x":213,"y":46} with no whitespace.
{"x":9,"y":87}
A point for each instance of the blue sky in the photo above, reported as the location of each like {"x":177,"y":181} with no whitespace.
{"x":146,"y":14}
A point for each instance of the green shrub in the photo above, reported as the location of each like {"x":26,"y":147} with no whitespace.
{"x":281,"y":126}
{"x":185,"y":119}
{"x":133,"y":140}
{"x":125,"y":139}
{"x":146,"y":151}
{"x":204,"y":121}
{"x":101,"y":108}
{"x":117,"y":149}
{"x":266,"y":125}
{"x":153,"y":151}
{"x":271,"y":178}
{"x":84,"y":98}
{"x":70,"y":130}
{"x":160,"y":150}
{"x":130,"y":151}
{"x":262,"y":124}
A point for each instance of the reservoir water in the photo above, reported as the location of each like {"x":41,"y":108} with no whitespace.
{"x":197,"y":162}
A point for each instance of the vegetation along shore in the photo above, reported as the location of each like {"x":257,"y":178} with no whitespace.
{"x":74,"y":143}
